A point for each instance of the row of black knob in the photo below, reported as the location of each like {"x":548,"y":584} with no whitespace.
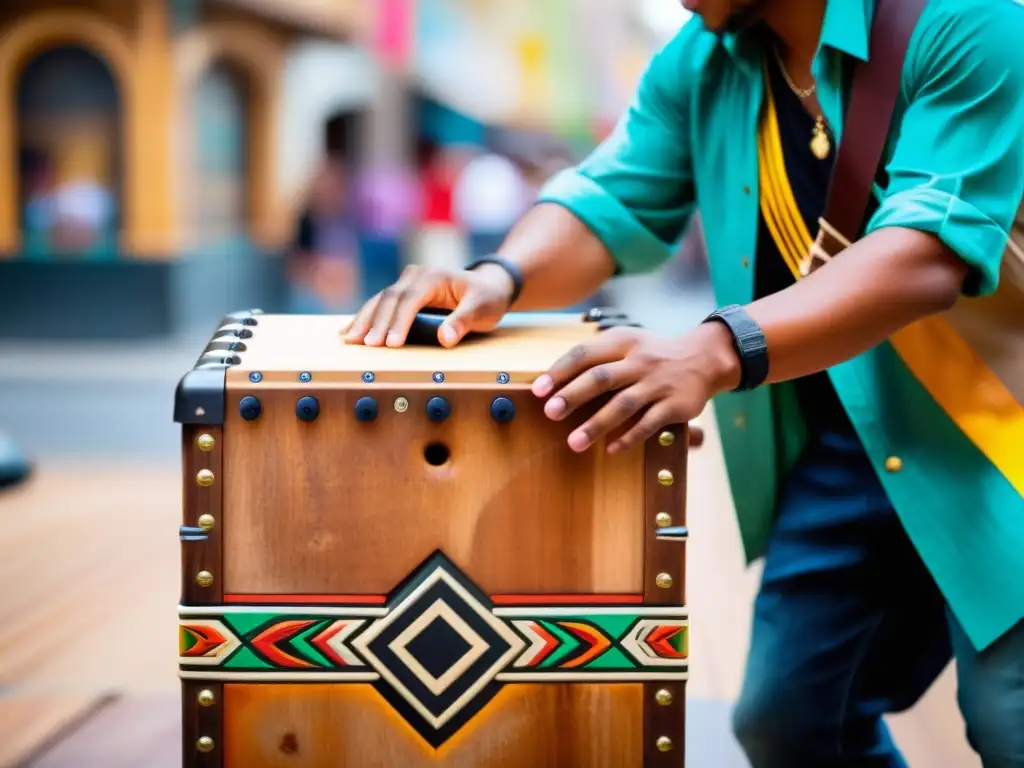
{"x":438,"y":409}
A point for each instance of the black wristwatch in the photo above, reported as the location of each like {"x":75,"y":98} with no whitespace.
{"x":749,"y":342}
{"x":513,"y":271}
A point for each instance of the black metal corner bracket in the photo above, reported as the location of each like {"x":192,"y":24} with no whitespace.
{"x":199,"y":397}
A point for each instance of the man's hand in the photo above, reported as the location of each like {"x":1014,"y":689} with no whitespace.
{"x":668,"y":381}
{"x":478,"y":300}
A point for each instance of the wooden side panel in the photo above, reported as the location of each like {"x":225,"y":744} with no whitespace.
{"x":665,"y":584}
{"x":202,"y":582}
{"x":351,"y":726}
{"x":339,"y":506}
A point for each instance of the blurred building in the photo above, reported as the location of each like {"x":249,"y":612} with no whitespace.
{"x":154,"y":154}
{"x":151,"y":151}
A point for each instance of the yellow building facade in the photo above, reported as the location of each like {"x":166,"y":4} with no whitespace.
{"x":99,"y":101}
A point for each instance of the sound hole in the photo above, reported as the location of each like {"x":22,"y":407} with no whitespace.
{"x":436,"y":454}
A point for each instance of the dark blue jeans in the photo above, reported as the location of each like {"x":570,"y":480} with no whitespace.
{"x":849,"y":625}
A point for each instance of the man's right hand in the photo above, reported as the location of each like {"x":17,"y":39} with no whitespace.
{"x":478,"y":300}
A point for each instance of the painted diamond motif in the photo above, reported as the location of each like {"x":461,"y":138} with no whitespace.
{"x":438,"y":650}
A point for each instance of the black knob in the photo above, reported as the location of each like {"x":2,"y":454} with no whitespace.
{"x":307,"y":408}
{"x":366,"y":409}
{"x":438,"y":409}
{"x":503,"y":410}
{"x":250,"y":408}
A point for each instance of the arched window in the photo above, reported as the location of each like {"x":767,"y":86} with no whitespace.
{"x":222,"y":106}
{"x":70,"y":145}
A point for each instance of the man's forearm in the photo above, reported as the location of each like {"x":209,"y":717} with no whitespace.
{"x":562,"y":261}
{"x":879,"y":285}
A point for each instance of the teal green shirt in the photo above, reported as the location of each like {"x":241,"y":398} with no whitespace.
{"x":955,"y":160}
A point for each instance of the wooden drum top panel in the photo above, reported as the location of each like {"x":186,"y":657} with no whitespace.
{"x":282,"y":347}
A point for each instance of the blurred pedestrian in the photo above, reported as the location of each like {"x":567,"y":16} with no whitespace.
{"x":438,"y":240}
{"x":323,"y":265}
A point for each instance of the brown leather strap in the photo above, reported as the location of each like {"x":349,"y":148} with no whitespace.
{"x":875,"y":86}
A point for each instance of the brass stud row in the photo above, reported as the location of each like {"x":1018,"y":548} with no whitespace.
{"x":663,"y":519}
{"x":663,"y":696}
{"x":205,"y":478}
{"x":205,"y":698}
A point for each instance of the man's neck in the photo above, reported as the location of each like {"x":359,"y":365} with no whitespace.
{"x":797,"y":24}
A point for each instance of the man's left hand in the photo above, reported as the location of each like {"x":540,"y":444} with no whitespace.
{"x":669,"y":381}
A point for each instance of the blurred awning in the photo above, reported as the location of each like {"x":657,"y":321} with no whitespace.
{"x":330,"y":18}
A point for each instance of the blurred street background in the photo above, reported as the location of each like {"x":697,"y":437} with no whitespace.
{"x":163,"y":162}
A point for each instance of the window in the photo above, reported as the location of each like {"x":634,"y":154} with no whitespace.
{"x":69,"y":137}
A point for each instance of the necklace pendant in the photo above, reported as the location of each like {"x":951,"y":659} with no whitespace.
{"x":820,"y":143}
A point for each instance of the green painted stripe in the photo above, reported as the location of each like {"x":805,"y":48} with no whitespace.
{"x":302,"y":644}
{"x":189,"y":639}
{"x":245,"y":658}
{"x":246,"y":624}
{"x":568,"y":644}
{"x":613,"y":658}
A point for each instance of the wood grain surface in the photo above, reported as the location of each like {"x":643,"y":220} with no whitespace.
{"x":282,"y":346}
{"x":351,"y":726}
{"x":340,"y":506}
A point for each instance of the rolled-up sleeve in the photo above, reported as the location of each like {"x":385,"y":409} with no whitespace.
{"x":957,"y":170}
{"x":635,"y":191}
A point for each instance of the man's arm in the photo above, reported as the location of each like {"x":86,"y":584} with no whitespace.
{"x":622,"y":209}
{"x":956,"y":181}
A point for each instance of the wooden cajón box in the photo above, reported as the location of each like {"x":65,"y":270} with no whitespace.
{"x":391,"y":557}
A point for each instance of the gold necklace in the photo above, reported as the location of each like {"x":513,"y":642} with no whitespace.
{"x":821,"y":145}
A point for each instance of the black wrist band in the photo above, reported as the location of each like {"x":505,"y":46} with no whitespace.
{"x":749,"y":342}
{"x":513,"y":271}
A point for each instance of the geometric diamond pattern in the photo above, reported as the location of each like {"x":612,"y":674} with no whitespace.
{"x":437,"y":648}
{"x":438,"y":692}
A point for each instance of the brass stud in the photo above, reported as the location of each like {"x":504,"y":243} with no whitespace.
{"x":663,"y":580}
{"x":206,"y":522}
{"x":745,"y":262}
{"x":206,"y":698}
{"x":893,"y":464}
{"x":664,"y":744}
{"x":665,"y":477}
{"x":205,"y":478}
{"x":739,"y":421}
{"x":746,"y":189}
{"x":663,"y":696}
{"x":205,"y":442}
{"x":200,"y":411}
{"x":401,"y":404}
{"x":205,"y":744}
{"x":666,"y":438}
{"x":663,"y":520}
{"x":204,"y":579}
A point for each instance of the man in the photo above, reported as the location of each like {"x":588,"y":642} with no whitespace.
{"x":891,"y":523}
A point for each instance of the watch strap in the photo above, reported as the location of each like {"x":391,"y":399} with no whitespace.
{"x":750,"y":344}
{"x":512,"y":269}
